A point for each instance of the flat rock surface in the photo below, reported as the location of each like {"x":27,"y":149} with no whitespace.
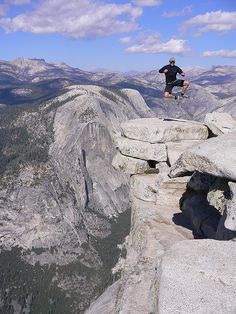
{"x":154,"y":130}
{"x":216,"y":156}
{"x":142,"y":150}
{"x":198,"y":276}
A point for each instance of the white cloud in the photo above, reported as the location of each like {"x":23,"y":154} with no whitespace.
{"x":217,"y":21}
{"x":185,"y":11}
{"x":77,"y":19}
{"x":147,"y":3}
{"x":152,"y":44}
{"x":220,"y":53}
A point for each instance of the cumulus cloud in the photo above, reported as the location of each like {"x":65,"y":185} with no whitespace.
{"x":185,"y":11}
{"x":76,"y":19}
{"x":147,"y":3}
{"x":151,"y":44}
{"x":217,"y":21}
{"x":220,"y":53}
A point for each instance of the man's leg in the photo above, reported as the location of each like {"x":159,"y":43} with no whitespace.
{"x":168,"y":91}
{"x":185,"y":87}
{"x":169,"y":95}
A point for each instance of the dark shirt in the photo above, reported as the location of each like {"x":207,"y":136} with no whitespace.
{"x":172,"y":72}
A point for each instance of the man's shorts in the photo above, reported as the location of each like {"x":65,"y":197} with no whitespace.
{"x":170,"y":86}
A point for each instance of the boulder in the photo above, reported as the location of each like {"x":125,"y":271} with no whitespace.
{"x":175,"y":149}
{"x":220,"y":122}
{"x":142,"y":150}
{"x":154,"y":130}
{"x":129,"y":165}
{"x":144,"y":187}
{"x":216,"y":156}
{"x":198,"y":276}
{"x":230,"y":222}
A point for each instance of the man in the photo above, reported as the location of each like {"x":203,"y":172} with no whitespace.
{"x":171,"y":71}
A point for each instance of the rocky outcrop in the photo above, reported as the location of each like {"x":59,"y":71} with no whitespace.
{"x":215,"y":156}
{"x":157,"y":140}
{"x":206,"y":200}
{"x":220,"y":123}
{"x":163,"y":261}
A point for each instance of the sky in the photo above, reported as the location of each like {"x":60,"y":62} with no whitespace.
{"x":120,"y":35}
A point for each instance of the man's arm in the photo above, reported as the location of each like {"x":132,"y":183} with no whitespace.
{"x":180,"y":71}
{"x":163,"y":69}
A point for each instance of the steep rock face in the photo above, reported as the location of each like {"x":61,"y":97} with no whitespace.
{"x":61,"y":210}
{"x":83,"y":147}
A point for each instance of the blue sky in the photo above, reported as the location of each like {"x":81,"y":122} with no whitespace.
{"x":119,"y":34}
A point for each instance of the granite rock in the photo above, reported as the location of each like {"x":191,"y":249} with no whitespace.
{"x":154,"y":130}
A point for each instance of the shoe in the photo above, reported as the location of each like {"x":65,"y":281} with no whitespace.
{"x":184,"y":96}
{"x":179,"y":98}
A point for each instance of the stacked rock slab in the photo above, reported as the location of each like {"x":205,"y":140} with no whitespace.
{"x":157,"y":140}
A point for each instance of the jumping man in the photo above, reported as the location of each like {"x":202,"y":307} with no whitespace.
{"x":171,"y":71}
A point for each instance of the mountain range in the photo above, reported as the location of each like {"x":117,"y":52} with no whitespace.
{"x":24,"y":81}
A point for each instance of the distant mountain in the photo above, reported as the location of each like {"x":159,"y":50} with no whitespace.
{"x":219,"y":80}
{"x":24,"y":81}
